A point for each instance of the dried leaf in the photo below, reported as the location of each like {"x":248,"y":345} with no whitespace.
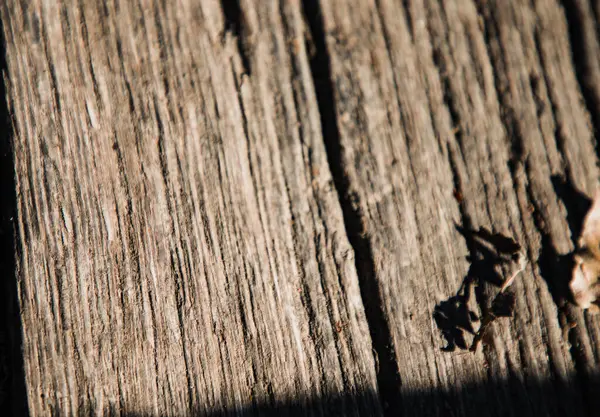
{"x":585,"y":284}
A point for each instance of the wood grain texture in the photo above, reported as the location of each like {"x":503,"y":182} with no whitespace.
{"x":194,"y":179}
{"x":182,"y":244}
{"x":479,"y":100}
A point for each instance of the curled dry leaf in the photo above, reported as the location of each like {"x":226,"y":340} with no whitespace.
{"x":503,"y":303}
{"x":585,"y":283}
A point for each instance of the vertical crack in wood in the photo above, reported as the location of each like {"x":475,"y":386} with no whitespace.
{"x":13,"y":395}
{"x":234,"y":22}
{"x":388,"y":377}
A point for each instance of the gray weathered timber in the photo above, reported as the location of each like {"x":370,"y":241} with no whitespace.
{"x":182,"y":246}
{"x":479,"y":100}
{"x":302,"y":208}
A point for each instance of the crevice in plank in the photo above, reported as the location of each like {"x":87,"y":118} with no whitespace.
{"x":244,"y":320}
{"x":51,"y":68}
{"x":234,"y":23}
{"x":388,"y":377}
{"x":180,"y":300}
{"x":13,"y":395}
{"x":583,"y":61}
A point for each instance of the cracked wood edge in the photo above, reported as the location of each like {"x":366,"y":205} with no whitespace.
{"x":183,"y":248}
{"x":433,"y":96}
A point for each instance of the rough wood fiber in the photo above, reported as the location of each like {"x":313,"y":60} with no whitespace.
{"x":403,"y":184}
{"x":479,"y":100}
{"x":182,"y":245}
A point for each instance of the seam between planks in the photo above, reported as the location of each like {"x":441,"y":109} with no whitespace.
{"x":388,"y":379}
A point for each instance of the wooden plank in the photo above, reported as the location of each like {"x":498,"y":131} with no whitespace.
{"x":479,"y":100}
{"x":182,"y":245}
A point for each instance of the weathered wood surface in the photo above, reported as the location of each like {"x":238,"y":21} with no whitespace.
{"x":479,"y":100}
{"x":194,"y":181}
{"x":182,"y":244}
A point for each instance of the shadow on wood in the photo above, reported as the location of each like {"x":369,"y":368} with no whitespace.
{"x":557,"y":271}
{"x":453,"y":316}
{"x":576,"y":203}
{"x":515,"y":396}
{"x":12,"y":376}
{"x":556,"y":268}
